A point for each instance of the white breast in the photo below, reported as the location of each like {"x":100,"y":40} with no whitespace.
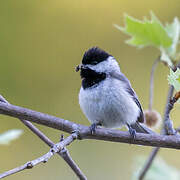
{"x":108,"y":103}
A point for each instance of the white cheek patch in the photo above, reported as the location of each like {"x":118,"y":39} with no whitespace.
{"x":107,"y":66}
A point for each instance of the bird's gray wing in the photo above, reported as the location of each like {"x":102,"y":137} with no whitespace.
{"x":120,"y":76}
{"x":142,"y":128}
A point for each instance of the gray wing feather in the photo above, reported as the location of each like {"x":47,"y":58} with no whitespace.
{"x":142,"y":128}
{"x":120,"y":76}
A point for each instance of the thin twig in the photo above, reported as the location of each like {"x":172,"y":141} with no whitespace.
{"x":151,"y":98}
{"x":57,"y":148}
{"x":66,"y":156}
{"x":164,"y":129}
{"x":64,"y":153}
{"x":168,"y":125}
{"x":151,"y":89}
{"x":149,"y":162}
{"x":156,"y":149}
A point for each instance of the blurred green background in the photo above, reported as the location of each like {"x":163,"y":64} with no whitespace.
{"x":41,"y":42}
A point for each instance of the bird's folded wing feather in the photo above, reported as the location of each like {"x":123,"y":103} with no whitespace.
{"x":120,"y":76}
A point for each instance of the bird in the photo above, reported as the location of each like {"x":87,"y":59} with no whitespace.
{"x":106,"y":96}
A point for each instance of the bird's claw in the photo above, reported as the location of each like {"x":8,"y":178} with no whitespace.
{"x":93,"y":128}
{"x":132,"y":132}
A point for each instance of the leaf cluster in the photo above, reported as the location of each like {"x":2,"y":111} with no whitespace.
{"x":152,"y":32}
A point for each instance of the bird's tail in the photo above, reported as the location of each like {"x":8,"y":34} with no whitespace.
{"x":142,"y":128}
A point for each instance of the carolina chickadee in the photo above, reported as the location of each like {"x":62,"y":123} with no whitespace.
{"x":106,"y":96}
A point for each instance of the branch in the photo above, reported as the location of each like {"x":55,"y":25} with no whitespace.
{"x":43,"y":159}
{"x":63,"y":153}
{"x":38,"y":117}
{"x":84,"y":131}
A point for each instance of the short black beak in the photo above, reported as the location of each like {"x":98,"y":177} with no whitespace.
{"x":78,"y":67}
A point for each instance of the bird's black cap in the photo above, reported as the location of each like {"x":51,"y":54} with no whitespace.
{"x":94,"y":56}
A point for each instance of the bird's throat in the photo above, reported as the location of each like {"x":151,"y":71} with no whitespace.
{"x":91,"y":78}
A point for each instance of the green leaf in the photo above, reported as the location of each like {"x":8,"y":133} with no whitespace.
{"x":174,"y":79}
{"x":146,"y":33}
{"x":153,"y":33}
{"x":10,"y":135}
{"x":174,"y":32}
{"x":169,"y":53}
{"x":159,"y":170}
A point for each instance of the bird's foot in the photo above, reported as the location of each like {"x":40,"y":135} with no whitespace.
{"x":132,"y":132}
{"x":94,"y":126}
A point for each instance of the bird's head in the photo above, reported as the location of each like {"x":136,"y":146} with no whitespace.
{"x":97,"y":60}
